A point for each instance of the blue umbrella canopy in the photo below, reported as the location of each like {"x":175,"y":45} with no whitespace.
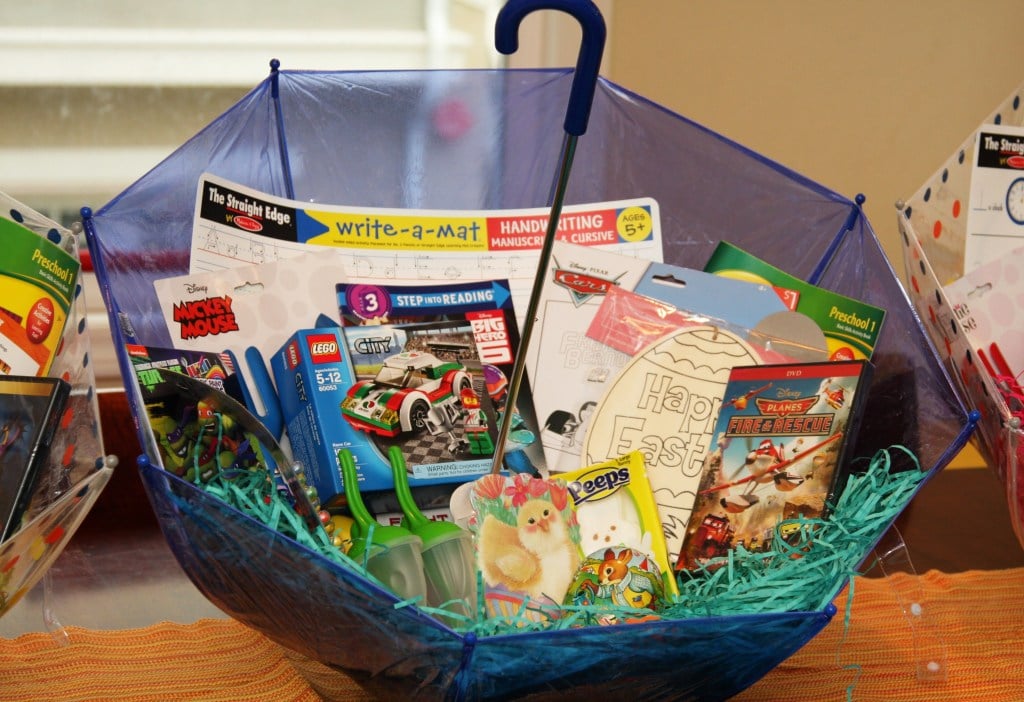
{"x":490,"y":139}
{"x":383,"y":139}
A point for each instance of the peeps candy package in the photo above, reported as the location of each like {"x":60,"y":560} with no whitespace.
{"x":527,"y":542}
{"x":616,"y":510}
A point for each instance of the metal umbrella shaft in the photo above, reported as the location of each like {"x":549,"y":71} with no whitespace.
{"x":581,"y":98}
{"x":519,"y":367}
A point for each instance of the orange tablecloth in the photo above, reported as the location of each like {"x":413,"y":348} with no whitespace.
{"x":979,"y":615}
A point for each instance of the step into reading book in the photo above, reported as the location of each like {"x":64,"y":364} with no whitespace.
{"x":431,"y":364}
{"x":778,"y":451}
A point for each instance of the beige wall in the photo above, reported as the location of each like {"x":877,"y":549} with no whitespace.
{"x":864,"y":97}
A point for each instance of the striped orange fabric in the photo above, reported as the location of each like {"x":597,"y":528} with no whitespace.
{"x":977,"y":616}
{"x":211,"y":660}
{"x":974,"y":618}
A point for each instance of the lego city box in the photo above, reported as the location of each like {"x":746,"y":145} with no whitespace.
{"x":312,"y":375}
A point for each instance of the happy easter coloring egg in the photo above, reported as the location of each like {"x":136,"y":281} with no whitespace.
{"x":664,"y":403}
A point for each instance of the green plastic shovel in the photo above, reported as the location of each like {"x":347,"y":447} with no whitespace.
{"x":393,"y":554}
{"x":448,"y":559}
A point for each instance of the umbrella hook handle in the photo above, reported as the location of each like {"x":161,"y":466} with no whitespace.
{"x":581,"y":97}
{"x":588,"y":63}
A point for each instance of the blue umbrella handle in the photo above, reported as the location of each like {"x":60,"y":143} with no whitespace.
{"x":584,"y":82}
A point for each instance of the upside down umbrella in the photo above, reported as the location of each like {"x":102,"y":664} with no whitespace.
{"x":387,"y":139}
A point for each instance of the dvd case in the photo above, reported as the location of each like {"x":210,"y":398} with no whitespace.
{"x":779,"y":452}
{"x":30,"y":411}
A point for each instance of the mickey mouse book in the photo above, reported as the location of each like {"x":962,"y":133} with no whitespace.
{"x":778,"y":451}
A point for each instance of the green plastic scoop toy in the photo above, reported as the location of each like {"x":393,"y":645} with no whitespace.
{"x":393,"y":554}
{"x":448,"y":558}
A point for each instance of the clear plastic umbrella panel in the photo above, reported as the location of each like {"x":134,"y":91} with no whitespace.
{"x":933,"y":223}
{"x":76,"y":467}
{"x":489,"y":140}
